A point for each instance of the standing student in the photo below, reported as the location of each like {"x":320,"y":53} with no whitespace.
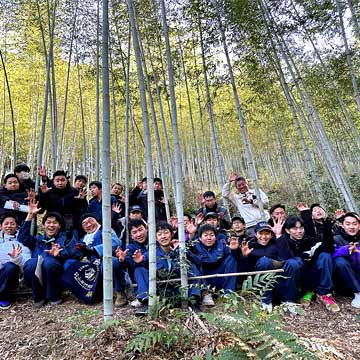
{"x":245,"y":200}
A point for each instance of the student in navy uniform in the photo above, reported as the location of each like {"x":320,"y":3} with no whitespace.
{"x":347,"y":256}
{"x":213,"y":256}
{"x":91,"y":246}
{"x":13,"y":256}
{"x":54,"y":247}
{"x":167,"y":267}
{"x":136,"y":248}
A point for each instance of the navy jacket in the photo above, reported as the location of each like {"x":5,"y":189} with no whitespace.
{"x":210,"y":257}
{"x":39,"y":243}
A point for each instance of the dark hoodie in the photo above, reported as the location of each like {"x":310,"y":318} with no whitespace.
{"x":63,"y":201}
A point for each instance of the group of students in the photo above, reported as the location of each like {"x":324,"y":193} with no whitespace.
{"x":317,"y":253}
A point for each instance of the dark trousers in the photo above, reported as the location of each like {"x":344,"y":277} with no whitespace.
{"x":228,"y":283}
{"x":52,"y":269}
{"x":318,"y":275}
{"x":346,"y":278}
{"x":286,"y":287}
{"x":9,"y":280}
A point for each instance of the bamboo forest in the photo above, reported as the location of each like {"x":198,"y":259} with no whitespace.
{"x":179,"y":179}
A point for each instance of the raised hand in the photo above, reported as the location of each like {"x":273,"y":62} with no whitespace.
{"x":191,"y":228}
{"x":55,"y":250}
{"x":233,"y":243}
{"x":339,"y":213}
{"x":116,"y":208}
{"x":278,"y":226}
{"x":33,"y":207}
{"x":138,"y":257}
{"x":16,"y":251}
{"x":233,"y":176}
{"x":82,"y":194}
{"x":301,"y":206}
{"x":245,"y":250}
{"x":44,"y":188}
{"x":121,"y":255}
{"x":199,"y":218}
{"x":201,"y":199}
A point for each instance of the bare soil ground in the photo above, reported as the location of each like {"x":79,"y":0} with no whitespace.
{"x":75,"y":331}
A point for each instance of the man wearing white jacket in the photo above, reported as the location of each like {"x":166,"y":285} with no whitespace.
{"x":245,"y":201}
{"x":13,"y":256}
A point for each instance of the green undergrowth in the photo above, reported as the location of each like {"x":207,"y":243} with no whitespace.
{"x":236,"y":328}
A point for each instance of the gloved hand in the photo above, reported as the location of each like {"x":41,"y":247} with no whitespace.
{"x":87,"y":250}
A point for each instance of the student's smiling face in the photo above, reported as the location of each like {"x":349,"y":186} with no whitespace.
{"x":263,"y":237}
{"x":208,"y":238}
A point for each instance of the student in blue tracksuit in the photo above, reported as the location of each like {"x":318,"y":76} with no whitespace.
{"x":213,"y":256}
{"x":49,"y":252}
{"x":263,"y":252}
{"x":136,"y":249}
{"x":91,"y":246}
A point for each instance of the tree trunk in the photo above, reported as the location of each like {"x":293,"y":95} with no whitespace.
{"x":106,"y":174}
{"x":177,"y":157}
{"x":149,"y":166}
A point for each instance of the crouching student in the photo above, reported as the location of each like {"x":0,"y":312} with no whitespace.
{"x":136,"y":248}
{"x":347,"y":256}
{"x":13,"y":256}
{"x":167,"y":267}
{"x":91,"y":247}
{"x":49,"y":252}
{"x":211,"y":256}
{"x":316,"y":254}
{"x":262,"y":253}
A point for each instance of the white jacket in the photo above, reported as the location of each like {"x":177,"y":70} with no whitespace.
{"x":250,"y":212}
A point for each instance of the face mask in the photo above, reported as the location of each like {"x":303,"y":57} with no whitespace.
{"x":24,"y":175}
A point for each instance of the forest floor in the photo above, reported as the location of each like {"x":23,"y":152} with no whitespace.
{"x":75,"y":331}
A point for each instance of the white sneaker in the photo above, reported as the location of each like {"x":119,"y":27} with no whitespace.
{"x":207,"y":300}
{"x":291,"y":307}
{"x":136,"y":303}
{"x":356,"y":301}
{"x":267,"y":307}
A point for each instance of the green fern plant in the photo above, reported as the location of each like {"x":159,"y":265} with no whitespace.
{"x":176,"y":335}
{"x":254,"y":333}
